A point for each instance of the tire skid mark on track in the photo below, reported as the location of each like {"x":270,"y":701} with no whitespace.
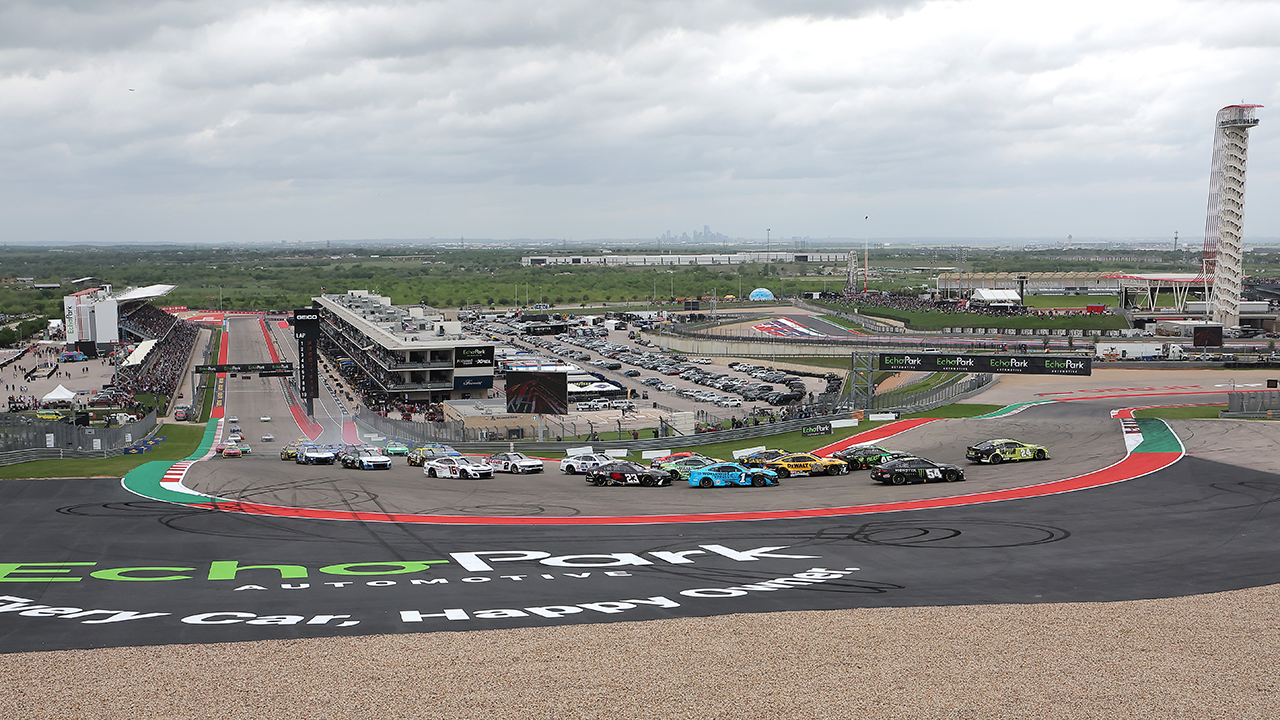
{"x":1161,"y":453}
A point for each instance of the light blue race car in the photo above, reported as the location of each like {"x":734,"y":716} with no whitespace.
{"x":729,"y":473}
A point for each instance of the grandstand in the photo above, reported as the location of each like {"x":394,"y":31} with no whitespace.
{"x":99,"y":321}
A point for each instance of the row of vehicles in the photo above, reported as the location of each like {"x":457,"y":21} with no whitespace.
{"x":767,"y":467}
{"x":738,"y":389}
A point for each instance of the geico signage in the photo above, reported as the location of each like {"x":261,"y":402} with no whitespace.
{"x":308,"y":316}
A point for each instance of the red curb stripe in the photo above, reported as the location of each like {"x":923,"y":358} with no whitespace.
{"x":1129,"y":395}
{"x":1132,"y":466}
{"x":271,"y":347}
{"x":883,"y":432}
{"x":349,"y":433}
{"x":308,"y":427}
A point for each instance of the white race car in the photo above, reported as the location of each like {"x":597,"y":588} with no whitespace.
{"x":582,"y":463}
{"x":458,"y":467}
{"x":514,"y":462}
{"x":315,"y":456}
{"x":369,"y":458}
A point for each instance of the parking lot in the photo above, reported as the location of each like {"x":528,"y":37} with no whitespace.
{"x":717,"y":388}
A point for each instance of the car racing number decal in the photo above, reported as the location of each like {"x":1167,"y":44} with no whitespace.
{"x":933,"y":473}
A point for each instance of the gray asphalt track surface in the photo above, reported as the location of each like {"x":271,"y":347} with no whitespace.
{"x":817,"y":324}
{"x":91,"y":565}
{"x":1200,"y":526}
{"x":1075,"y":449}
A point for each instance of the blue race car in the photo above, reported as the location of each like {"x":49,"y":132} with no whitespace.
{"x":728,"y":473}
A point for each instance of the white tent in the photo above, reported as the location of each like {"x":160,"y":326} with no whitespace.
{"x":996,"y":296}
{"x":59,"y":394}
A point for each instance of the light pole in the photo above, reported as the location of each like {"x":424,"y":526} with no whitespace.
{"x":768,"y":245}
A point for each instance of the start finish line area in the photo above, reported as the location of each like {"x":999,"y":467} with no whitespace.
{"x":1120,"y":511}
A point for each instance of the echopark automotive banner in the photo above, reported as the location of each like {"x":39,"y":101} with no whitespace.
{"x":1013,"y":364}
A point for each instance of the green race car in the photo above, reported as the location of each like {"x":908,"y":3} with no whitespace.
{"x":997,"y":451}
{"x":395,"y":447}
{"x":686,"y":465}
{"x":868,"y":456}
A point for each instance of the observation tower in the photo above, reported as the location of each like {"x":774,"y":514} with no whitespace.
{"x":1224,"y":227}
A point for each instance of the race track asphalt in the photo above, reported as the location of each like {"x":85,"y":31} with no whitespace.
{"x":88,"y":564}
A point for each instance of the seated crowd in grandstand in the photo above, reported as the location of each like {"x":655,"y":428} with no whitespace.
{"x":912,"y":303}
{"x":149,"y":321}
{"x":166,"y":364}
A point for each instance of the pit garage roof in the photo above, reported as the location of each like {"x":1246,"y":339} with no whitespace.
{"x":149,"y":292}
{"x":1160,"y":277}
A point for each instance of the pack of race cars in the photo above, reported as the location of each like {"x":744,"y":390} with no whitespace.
{"x":764,"y":468}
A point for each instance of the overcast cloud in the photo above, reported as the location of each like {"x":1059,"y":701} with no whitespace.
{"x":261,"y":121}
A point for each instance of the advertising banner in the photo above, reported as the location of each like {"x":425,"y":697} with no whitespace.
{"x":1009,"y":364}
{"x":473,"y":382}
{"x":465,"y":357}
{"x":814,"y":429}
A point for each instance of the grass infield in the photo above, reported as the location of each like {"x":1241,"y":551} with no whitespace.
{"x":180,"y":441}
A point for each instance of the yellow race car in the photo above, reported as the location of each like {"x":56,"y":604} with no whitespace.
{"x":806,"y":464}
{"x":289,"y":452}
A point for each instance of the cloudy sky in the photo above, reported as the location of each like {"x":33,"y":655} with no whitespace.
{"x":259,"y":121}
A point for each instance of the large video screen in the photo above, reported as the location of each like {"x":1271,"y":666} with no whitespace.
{"x":1207,"y":336}
{"x":538,"y":392}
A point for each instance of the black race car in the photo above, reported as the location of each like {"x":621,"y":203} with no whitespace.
{"x":759,"y":459}
{"x":865,"y":456}
{"x":625,"y":472}
{"x":900,"y":472}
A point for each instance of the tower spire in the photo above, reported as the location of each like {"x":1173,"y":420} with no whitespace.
{"x":1224,"y":226}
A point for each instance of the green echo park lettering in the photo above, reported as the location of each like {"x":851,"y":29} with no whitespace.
{"x":218,"y":570}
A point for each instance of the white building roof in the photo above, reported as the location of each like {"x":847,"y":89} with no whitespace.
{"x":149,"y":292}
{"x":985,"y":295}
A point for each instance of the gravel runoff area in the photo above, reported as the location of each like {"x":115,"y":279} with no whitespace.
{"x":1204,"y":656}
